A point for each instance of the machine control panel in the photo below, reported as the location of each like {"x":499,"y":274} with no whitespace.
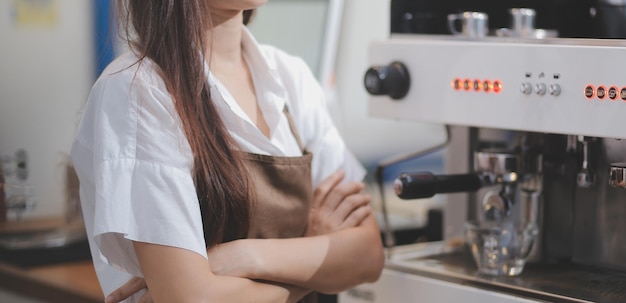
{"x":526,"y":87}
{"x":535,"y":85}
{"x":603,"y":92}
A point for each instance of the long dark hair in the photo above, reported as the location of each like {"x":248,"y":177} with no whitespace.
{"x":173,"y":34}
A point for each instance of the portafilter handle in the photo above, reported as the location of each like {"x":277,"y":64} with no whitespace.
{"x":419,"y":185}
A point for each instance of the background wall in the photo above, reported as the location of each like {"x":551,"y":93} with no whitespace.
{"x":372,"y":139}
{"x":295,"y":26}
{"x":46,"y":71}
{"x":375,"y":140}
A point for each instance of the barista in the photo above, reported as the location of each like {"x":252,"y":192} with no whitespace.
{"x":199,"y":140}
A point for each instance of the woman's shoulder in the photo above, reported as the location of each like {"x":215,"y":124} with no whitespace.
{"x":128,"y":110}
{"x":130,"y":69}
{"x":129,"y":83}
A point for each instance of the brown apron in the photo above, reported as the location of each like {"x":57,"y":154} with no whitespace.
{"x":283,"y":190}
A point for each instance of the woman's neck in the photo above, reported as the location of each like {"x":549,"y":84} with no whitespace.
{"x":224,"y":44}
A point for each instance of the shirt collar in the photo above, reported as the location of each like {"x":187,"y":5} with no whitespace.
{"x":252,"y":51}
{"x":270,"y":90}
{"x":251,"y":47}
{"x":254,"y":54}
{"x":266,"y":76}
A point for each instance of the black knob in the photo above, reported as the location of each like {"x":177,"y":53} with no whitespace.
{"x":392,"y":80}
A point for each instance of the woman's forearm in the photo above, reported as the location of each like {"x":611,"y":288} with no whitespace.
{"x":329,"y":263}
{"x":178,"y":275}
{"x":264,"y":270}
{"x":232,"y":289}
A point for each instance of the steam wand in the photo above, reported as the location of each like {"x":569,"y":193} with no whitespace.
{"x":389,"y":238}
{"x":585,"y":177}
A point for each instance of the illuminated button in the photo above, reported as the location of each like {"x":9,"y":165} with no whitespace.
{"x":540,"y":89}
{"x":526,"y":88}
{"x":478,"y":85}
{"x":589,"y":91}
{"x":456,"y":84}
{"x":554,"y":89}
{"x":497,"y":86}
{"x":622,"y":93}
{"x":467,"y":84}
{"x":613,"y":93}
{"x":601,"y":92}
{"x":487,"y":86}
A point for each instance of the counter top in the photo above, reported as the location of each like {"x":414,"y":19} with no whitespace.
{"x":74,"y":282}
{"x":51,"y":274}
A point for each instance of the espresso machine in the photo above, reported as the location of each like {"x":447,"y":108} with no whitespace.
{"x":535,"y":163}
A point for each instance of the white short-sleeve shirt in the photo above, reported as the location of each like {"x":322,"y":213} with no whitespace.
{"x":135,"y":165}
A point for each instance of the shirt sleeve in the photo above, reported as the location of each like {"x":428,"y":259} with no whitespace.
{"x":146,"y":202}
{"x":143,"y":183}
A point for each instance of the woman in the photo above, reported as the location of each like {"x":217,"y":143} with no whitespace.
{"x":197,"y":154}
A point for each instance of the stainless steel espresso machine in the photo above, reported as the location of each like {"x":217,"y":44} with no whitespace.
{"x":535,"y":165}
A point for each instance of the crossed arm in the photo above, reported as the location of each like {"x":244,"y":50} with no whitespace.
{"x":341,"y":249}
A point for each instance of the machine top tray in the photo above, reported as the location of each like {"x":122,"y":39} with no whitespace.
{"x":516,"y":40}
{"x":546,"y":281}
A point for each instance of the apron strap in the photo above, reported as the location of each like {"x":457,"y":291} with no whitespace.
{"x":292,"y":126}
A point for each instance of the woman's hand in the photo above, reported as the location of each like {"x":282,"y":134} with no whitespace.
{"x":337,"y":206}
{"x":130,"y":288}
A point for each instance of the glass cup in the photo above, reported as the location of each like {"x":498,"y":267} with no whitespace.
{"x":16,"y":199}
{"x":472,"y":24}
{"x":500,"y":248}
{"x":522,"y":21}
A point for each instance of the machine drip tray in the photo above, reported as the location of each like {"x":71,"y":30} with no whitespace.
{"x":550,"y":282}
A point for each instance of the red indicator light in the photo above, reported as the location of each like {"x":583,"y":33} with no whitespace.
{"x":478,"y":85}
{"x":601,"y":92}
{"x":613,"y":93}
{"x":456,"y":84}
{"x":590,"y":91}
{"x":487,"y":86}
{"x":497,"y":86}
{"x":467,"y":84}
